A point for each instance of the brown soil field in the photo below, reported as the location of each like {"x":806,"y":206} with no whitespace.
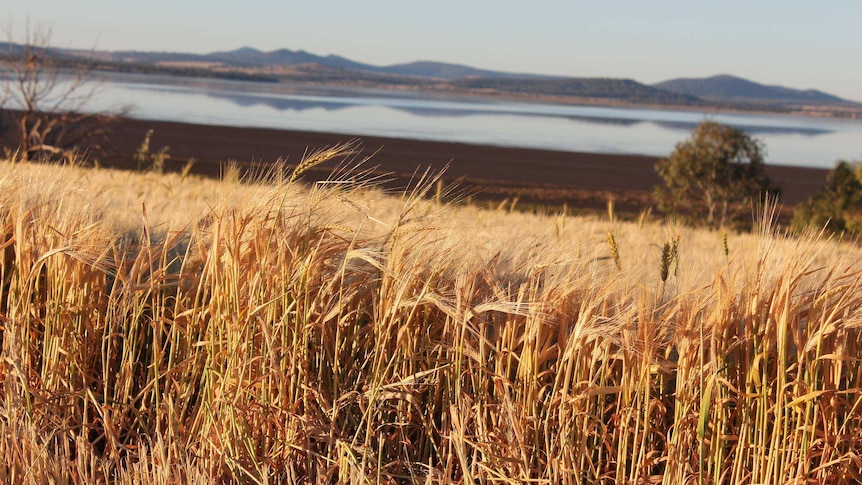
{"x":535,"y":177}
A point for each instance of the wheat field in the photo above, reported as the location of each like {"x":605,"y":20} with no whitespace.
{"x":170,"y":329}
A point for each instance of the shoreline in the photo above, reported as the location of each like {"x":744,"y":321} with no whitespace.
{"x":536,"y":176}
{"x":839,"y":112}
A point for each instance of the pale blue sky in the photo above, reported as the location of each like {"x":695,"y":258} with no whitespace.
{"x":801,"y":44}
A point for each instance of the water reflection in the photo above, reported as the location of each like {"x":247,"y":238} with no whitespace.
{"x":790,"y":140}
{"x":278,"y":103}
{"x":303,"y":103}
{"x":751,"y":129}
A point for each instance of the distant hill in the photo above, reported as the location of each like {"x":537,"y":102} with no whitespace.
{"x":444,"y":70}
{"x":250,"y":57}
{"x":728,"y":88}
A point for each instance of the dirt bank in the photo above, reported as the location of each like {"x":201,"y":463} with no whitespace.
{"x":542,"y":177}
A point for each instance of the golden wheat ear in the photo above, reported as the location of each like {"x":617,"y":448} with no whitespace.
{"x":317,"y":157}
{"x":614,"y":249}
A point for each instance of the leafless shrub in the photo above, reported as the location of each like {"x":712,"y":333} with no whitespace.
{"x":45,"y":101}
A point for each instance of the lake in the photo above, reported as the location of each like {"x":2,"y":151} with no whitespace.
{"x":789,"y":140}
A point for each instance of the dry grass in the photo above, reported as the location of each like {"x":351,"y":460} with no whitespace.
{"x":164,"y":329}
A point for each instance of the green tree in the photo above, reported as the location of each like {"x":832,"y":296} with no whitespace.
{"x":714,"y":176}
{"x":838,"y":207}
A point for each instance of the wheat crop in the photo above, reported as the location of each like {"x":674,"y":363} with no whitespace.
{"x":168,"y":329}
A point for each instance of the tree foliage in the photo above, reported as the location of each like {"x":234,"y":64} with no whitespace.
{"x":714,"y":176}
{"x":838,"y":207}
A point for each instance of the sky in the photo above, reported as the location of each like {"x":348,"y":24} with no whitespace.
{"x":799,"y":44}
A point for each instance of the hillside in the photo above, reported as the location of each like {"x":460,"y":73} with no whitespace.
{"x":728,"y":88}
{"x":611,"y":89}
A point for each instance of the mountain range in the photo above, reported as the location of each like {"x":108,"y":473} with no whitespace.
{"x":289,"y":65}
{"x":248,"y":57}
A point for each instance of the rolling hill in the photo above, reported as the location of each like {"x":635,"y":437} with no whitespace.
{"x":728,"y":88}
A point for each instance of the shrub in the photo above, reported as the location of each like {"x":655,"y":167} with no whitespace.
{"x":838,"y":207}
{"x":154,"y":162}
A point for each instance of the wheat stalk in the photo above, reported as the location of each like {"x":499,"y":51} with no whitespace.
{"x":614,"y":249}
{"x":665,"y":261}
{"x":323,"y":155}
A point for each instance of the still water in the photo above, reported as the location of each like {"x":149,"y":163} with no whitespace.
{"x":789,"y":140}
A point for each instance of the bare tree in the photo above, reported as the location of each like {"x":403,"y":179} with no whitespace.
{"x":44,"y":101}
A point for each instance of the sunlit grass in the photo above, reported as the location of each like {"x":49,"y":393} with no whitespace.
{"x":168,"y":329}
